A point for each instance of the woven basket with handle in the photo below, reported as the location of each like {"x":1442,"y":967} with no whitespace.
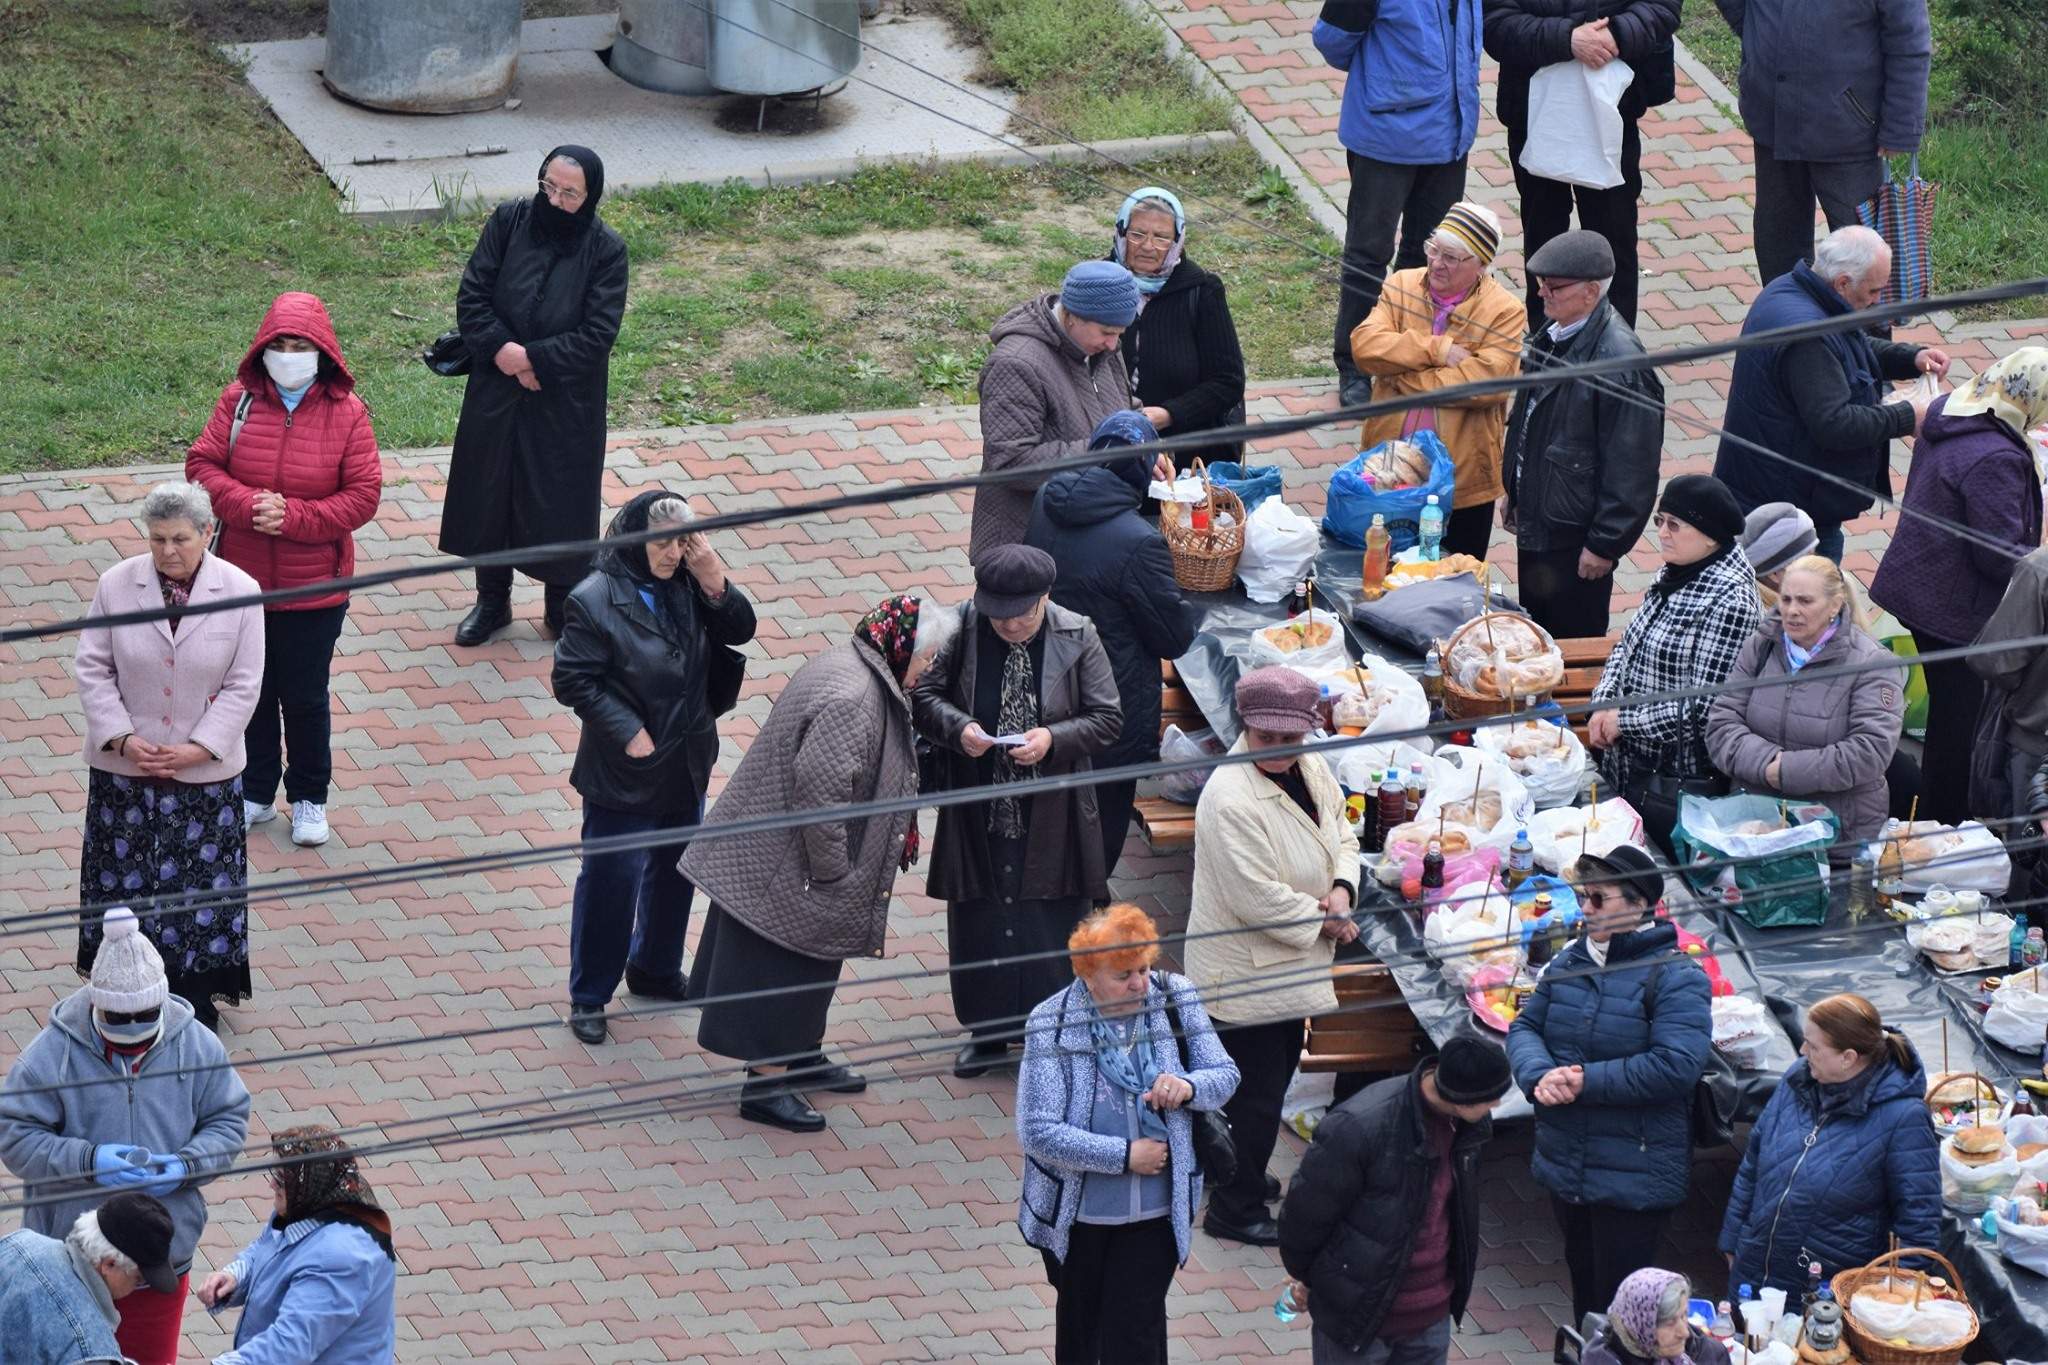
{"x":1873,"y":1350}
{"x":1204,"y":561}
{"x":1463,"y":703}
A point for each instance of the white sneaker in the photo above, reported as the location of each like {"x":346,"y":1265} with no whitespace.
{"x":309,"y":823}
{"x":256,"y":813}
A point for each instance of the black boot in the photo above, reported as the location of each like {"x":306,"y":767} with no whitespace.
{"x":979,"y":1057}
{"x":489,"y":616}
{"x":553,"y":599}
{"x":649,"y":987}
{"x":771,"y":1100}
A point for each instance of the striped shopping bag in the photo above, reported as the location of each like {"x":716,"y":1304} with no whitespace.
{"x":1902,"y":212}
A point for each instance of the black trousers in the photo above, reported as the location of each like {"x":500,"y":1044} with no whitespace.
{"x":1113,"y":809}
{"x":1112,"y":1304}
{"x":298,"y":654}
{"x":1954,"y":696}
{"x":1603,"y":1246}
{"x":1547,"y":213}
{"x":1385,"y":198}
{"x":1266,"y":1055}
{"x":1785,"y":195}
{"x":1566,"y":605}
{"x":494,"y":584}
{"x":1469,"y":530}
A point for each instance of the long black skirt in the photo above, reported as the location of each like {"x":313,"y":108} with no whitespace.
{"x":774,"y":1029}
{"x":993,"y":1001}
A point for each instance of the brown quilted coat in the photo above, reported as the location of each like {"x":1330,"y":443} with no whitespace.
{"x":1041,"y":399}
{"x":840,"y":733}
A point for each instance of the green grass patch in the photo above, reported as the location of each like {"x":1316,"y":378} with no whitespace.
{"x":154,"y":208}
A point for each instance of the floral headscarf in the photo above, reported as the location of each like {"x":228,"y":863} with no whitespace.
{"x":2015,"y":391}
{"x":1633,"y":1314}
{"x":1151,"y":284}
{"x":331,"y":1189}
{"x":891,"y":631}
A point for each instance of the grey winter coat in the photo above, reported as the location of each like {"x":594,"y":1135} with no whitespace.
{"x":1833,"y":734}
{"x":1056,"y":1100}
{"x":1040,"y":400}
{"x":840,"y":733}
{"x":51,"y":1119}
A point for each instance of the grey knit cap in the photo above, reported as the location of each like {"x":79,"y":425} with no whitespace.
{"x":1774,"y":535}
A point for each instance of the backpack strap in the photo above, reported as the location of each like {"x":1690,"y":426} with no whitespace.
{"x":241,"y":415}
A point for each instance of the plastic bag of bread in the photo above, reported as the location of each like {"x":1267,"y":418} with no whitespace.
{"x":1562,"y":834}
{"x":2018,"y":1016}
{"x":1312,"y":642}
{"x":1892,"y":1315}
{"x":1924,"y":855}
{"x":1478,"y":790}
{"x":1503,"y":655}
{"x":1747,"y":1035}
{"x":1471,"y":929}
{"x":1949,"y":943}
{"x":1406,"y":573}
{"x":1976,"y":1167}
{"x":1548,"y":758}
{"x":1397,"y":464}
{"x":1464,"y":856}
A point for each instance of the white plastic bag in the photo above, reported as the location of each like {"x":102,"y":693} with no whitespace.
{"x":1549,"y":758}
{"x":1970,"y":1189}
{"x":1309,"y":1096}
{"x":1747,"y":1035}
{"x":1455,"y":772}
{"x":2024,"y":1244}
{"x":1279,"y":545}
{"x":1936,"y":1322}
{"x":1470,"y":931}
{"x":1176,"y":745}
{"x":1312,"y":642}
{"x":1575,"y":123}
{"x":2018,"y":1016}
{"x":1557,"y":834}
{"x":1966,"y":857}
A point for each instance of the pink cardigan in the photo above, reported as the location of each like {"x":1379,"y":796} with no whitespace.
{"x":200,"y":684}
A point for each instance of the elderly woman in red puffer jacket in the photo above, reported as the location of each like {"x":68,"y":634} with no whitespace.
{"x":291,"y":464}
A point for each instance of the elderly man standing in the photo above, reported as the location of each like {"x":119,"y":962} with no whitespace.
{"x":57,"y":1297}
{"x":1410,"y":113}
{"x":1581,"y":461}
{"x":1055,"y":373}
{"x":1448,"y":323}
{"x":1828,"y":88}
{"x":1818,"y":402}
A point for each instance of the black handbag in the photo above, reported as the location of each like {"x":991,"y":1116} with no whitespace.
{"x":1716,"y":1095}
{"x":1215,"y":1149}
{"x":725,"y":671}
{"x":448,"y":355}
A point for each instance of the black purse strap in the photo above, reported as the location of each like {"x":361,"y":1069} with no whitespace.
{"x":1173,"y":1024}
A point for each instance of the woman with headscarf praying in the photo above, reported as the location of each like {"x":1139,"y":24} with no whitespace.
{"x":790,"y":904}
{"x":1187,"y":371}
{"x":539,"y":308}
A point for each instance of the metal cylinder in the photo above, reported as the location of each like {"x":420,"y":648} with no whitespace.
{"x":664,"y":45}
{"x":445,"y":57}
{"x":783,"y":47}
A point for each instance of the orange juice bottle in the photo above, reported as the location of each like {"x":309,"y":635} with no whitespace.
{"x":1378,"y":551}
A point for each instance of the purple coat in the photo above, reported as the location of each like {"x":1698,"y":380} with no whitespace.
{"x":1973,"y":470}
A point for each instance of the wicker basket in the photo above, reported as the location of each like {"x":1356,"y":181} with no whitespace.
{"x":1876,"y":1350}
{"x":1204,"y":561}
{"x":1986,"y":1092}
{"x":1461,"y":702}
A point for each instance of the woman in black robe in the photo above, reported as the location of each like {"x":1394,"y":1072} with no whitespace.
{"x":539,"y":308}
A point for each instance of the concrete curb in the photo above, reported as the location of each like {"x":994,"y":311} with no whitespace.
{"x":1707,"y":81}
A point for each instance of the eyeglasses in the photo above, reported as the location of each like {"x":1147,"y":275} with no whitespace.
{"x":1549,"y":286}
{"x":1596,"y":899}
{"x":560,"y":194}
{"x":1148,"y":238}
{"x":1433,"y":253}
{"x":1664,"y":521}
{"x":148,"y":1016}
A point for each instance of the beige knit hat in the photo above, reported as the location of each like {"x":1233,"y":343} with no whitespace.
{"x":128,"y":974}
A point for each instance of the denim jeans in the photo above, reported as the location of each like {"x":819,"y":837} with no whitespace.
{"x":1829,"y":540}
{"x":631,"y":908}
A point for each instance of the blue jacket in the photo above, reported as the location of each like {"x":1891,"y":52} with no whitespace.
{"x":1411,"y":88}
{"x":1626,"y":1142}
{"x":1830,"y":1172}
{"x":1833,"y":80}
{"x":1056,"y":1100}
{"x":49,"y":1313}
{"x":63,"y":1098}
{"x":314,"y":1294}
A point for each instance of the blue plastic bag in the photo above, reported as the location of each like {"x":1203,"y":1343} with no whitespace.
{"x":1353,"y":501}
{"x":1253,"y":483}
{"x":1564,"y":905}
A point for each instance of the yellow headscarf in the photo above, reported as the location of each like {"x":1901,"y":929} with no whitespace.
{"x":2015,"y":391}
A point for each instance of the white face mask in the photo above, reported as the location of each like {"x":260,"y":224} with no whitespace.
{"x":127,"y":1035}
{"x":292,"y":369}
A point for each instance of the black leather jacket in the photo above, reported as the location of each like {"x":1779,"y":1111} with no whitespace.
{"x":622,"y":667}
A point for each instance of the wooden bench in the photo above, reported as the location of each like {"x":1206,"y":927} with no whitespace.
{"x":1168,"y":826}
{"x":1372,"y":1028}
{"x":1584,"y":661}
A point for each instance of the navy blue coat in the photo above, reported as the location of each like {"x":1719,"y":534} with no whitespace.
{"x":1873,"y":1169}
{"x":1114,"y":569}
{"x":1626,"y":1142}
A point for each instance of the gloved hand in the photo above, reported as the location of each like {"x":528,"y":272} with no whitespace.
{"x":118,"y":1166}
{"x":166,"y":1173}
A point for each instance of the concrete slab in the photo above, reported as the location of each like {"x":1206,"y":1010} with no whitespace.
{"x":409,"y":165}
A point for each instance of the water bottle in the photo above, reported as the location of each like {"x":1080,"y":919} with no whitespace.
{"x":1432,"y":532}
{"x":2018,"y":945}
{"x":1284,"y":1307}
{"x":1521,"y":861}
{"x":1723,"y":1329}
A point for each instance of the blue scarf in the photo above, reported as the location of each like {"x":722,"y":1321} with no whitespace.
{"x":1797,"y":658}
{"x":1131,"y":1067}
{"x":1148,"y":285}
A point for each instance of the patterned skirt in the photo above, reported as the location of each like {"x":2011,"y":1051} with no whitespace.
{"x":149,"y":837}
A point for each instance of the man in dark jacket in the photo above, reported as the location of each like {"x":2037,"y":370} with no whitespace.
{"x":1526,"y":35}
{"x":1816,"y":403}
{"x":1115,"y":570}
{"x":1581,"y":460}
{"x":1828,"y":88}
{"x":1381,"y":1224}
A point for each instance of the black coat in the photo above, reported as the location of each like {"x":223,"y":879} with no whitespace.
{"x":1525,"y":35}
{"x":621,"y":667}
{"x":1115,"y":570}
{"x":1182,"y":355}
{"x":527,"y":465}
{"x":1581,"y":462}
{"x":1349,"y":1222}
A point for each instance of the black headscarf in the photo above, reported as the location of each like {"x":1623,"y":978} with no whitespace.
{"x":554,"y":227}
{"x":329,"y":1188}
{"x":630,"y":561}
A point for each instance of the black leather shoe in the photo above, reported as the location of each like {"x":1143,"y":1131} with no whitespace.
{"x":978,"y":1059}
{"x":587,"y":1025}
{"x":1261,"y":1231}
{"x":1354,"y":388}
{"x":818,"y":1074}
{"x":654,"y":988}
{"x":767,"y":1100}
{"x":1272,"y":1188}
{"x":485,"y":619}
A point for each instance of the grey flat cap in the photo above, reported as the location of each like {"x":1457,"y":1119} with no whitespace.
{"x":1579,"y":255}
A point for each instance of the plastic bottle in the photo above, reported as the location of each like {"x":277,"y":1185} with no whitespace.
{"x":1521,"y":861}
{"x":1723,"y":1329}
{"x":1378,"y":551}
{"x":1433,"y":685}
{"x":1393,"y":804}
{"x":2035,"y":950}
{"x":1432,"y":529}
{"x":1418,"y":788}
{"x":1812,"y":1287}
{"x":1284,"y":1307}
{"x":2019,"y":944}
{"x":1862,"y":884}
{"x":1369,"y":839}
{"x":1433,"y":873}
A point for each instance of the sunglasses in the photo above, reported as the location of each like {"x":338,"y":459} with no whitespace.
{"x":1664,"y":521}
{"x":148,"y":1016}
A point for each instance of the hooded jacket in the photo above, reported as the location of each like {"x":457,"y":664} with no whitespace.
{"x":1115,"y":570}
{"x":1830,"y":1172}
{"x":1041,"y":398}
{"x":322,"y":456}
{"x":63,"y":1098}
{"x":50,"y":1314}
{"x":1833,"y":733}
{"x":1626,"y":1142}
